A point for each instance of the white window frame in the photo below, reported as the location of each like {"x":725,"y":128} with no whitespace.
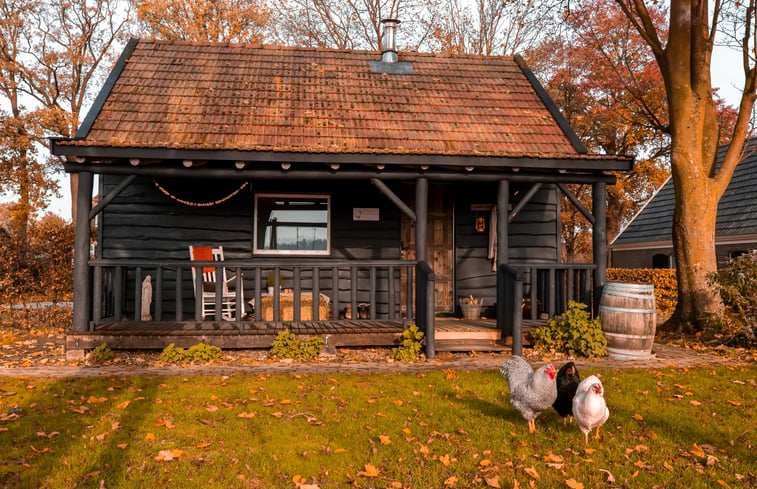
{"x":259,"y":251}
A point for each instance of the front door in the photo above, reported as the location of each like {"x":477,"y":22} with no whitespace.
{"x":440,"y":249}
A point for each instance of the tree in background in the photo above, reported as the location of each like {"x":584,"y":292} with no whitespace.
{"x":494,"y":27}
{"x":683,"y":52}
{"x":353,"y":24}
{"x":51,"y":55}
{"x":204,"y":20}
{"x":48,"y":273}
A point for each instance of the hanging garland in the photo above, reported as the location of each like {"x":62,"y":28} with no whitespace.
{"x":198,"y":204}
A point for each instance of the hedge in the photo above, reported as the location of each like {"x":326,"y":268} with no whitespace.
{"x":663,"y":279}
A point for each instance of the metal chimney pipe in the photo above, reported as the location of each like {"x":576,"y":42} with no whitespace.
{"x":389,"y":55}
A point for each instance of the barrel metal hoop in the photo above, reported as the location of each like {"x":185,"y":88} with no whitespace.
{"x":632,"y":296}
{"x":624,"y":309}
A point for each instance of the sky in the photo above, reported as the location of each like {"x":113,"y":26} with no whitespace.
{"x":727,"y":75}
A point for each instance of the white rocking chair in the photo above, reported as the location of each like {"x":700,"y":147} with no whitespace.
{"x":209,"y":282}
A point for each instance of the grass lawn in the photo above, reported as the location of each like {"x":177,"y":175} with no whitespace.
{"x":688,"y":428}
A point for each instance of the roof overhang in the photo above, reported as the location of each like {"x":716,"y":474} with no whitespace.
{"x":581,"y":163}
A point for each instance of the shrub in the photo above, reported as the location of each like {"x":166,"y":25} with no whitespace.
{"x":199,"y":353}
{"x":287,"y":345}
{"x":410,"y":348}
{"x":100,"y":355}
{"x":664,"y":281}
{"x":574,"y":333}
{"x":737,"y":286}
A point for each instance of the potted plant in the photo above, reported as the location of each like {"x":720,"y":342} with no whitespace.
{"x":271,"y":282}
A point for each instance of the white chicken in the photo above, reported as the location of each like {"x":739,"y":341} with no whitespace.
{"x":589,"y":406}
{"x":531,"y":392}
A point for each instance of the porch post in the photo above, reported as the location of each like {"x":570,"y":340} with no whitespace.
{"x":599,"y":240}
{"x":423,"y":309}
{"x":504,"y":296}
{"x":82,"y":303}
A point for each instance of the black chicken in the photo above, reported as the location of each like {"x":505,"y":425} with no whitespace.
{"x":567,"y":382}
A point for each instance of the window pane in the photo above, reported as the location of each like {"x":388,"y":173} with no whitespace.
{"x":292,"y":224}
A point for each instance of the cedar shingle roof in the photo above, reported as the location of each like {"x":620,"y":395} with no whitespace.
{"x":737,"y":209}
{"x":222,"y":96}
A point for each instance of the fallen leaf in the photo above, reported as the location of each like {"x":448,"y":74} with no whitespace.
{"x":573,"y":484}
{"x":734,"y":403}
{"x":168,"y":455}
{"x":493,"y":482}
{"x":444,"y":459}
{"x":697,"y":451}
{"x":123,"y":405}
{"x":370,"y":471}
{"x":339,"y":450}
{"x":96,"y":400}
{"x":451,"y":481}
{"x":610,"y":477}
{"x":695,"y":403}
{"x":397,"y":484}
{"x":551,"y":457}
{"x":385,"y":440}
{"x":638,"y":417}
{"x":532,"y":472}
{"x":149,"y":437}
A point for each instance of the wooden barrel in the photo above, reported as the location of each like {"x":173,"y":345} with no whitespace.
{"x":629,"y":319}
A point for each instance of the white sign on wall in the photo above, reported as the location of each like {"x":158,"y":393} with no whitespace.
{"x":365,"y":214}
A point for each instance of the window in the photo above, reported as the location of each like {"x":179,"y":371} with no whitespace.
{"x":292,"y":224}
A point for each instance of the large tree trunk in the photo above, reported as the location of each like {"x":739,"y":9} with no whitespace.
{"x":694,"y":245}
{"x":685,"y":65}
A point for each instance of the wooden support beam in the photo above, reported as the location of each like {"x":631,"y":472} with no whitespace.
{"x":82,"y":304}
{"x":526,"y":198}
{"x":574,"y":200}
{"x":394,"y":198}
{"x":112,"y":195}
{"x":599,"y":240}
{"x":504,"y":296}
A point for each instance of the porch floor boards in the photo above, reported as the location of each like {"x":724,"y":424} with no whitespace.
{"x":452,"y":334}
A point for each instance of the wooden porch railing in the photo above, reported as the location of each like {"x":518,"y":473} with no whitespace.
{"x":117,"y":284}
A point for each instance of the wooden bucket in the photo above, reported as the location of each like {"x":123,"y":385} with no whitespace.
{"x":629,"y":319}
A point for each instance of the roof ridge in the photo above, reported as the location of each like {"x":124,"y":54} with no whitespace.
{"x":283,"y":47}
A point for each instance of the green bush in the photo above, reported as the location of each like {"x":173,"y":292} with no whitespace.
{"x":287,"y":345}
{"x":410,"y":348}
{"x":664,"y":281}
{"x":574,"y":333}
{"x":737,"y":286}
{"x":199,"y":353}
{"x":100,"y":355}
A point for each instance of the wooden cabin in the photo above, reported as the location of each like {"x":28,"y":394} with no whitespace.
{"x":388,"y":185}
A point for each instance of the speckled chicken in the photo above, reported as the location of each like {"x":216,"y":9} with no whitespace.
{"x":589,"y":406}
{"x":531,"y":392}
{"x":567,"y":383}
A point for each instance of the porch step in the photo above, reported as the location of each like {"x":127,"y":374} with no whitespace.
{"x":470,"y":345}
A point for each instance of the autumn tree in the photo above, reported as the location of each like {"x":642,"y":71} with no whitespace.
{"x":684,"y":57}
{"x":494,"y":27}
{"x":204,"y":20}
{"x":52,"y":54}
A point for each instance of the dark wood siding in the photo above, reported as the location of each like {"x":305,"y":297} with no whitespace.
{"x":532,"y":237}
{"x":143,"y":223}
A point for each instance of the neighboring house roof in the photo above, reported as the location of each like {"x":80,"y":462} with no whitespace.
{"x":737,"y":210}
{"x":253,"y":98}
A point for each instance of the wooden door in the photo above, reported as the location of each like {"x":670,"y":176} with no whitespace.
{"x":440,"y":251}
